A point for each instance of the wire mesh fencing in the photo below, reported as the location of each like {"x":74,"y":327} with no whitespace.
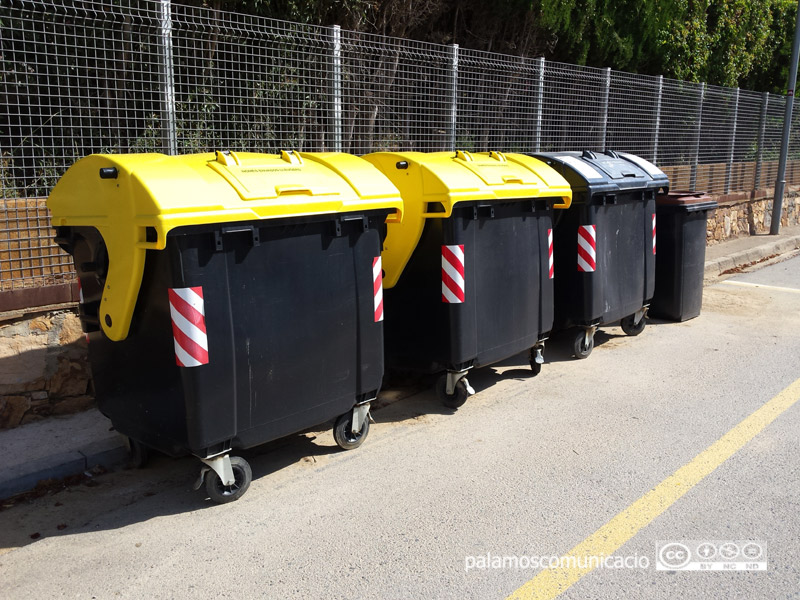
{"x":117,"y":76}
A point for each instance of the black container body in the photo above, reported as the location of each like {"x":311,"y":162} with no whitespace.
{"x":624,"y":277}
{"x":290,"y":323}
{"x":615,"y":196}
{"x":680,"y":263}
{"x":508,"y":294}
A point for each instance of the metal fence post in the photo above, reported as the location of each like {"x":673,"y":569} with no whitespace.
{"x":696,"y":157}
{"x":762,"y":127}
{"x":657,"y":120}
{"x":336,"y":86}
{"x":605,"y":109}
{"x":169,"y":128}
{"x":540,"y":106}
{"x":780,"y":180}
{"x":732,"y":148}
{"x":451,"y":133}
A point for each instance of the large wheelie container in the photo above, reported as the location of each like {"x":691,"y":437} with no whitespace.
{"x":469,"y":278}
{"x":605,"y":244}
{"x":229,"y":299}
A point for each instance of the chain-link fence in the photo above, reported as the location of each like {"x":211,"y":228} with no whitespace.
{"x":144,"y":75}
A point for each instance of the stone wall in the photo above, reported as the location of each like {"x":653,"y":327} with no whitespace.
{"x":750,"y":213}
{"x":44,"y":369}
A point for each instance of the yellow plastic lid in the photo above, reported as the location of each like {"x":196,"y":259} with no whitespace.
{"x":431,"y":184}
{"x":127,"y":196}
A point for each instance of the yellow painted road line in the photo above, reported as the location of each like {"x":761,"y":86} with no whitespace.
{"x":761,"y":285}
{"x":549,"y":583}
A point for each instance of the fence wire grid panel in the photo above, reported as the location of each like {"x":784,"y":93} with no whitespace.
{"x":119,"y":76}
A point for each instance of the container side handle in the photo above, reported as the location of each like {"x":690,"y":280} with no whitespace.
{"x":567,"y":202}
{"x":395,"y":217}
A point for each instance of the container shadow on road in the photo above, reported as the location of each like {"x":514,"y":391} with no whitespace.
{"x":407,"y":397}
{"x":412,"y":396}
{"x":558,"y":348}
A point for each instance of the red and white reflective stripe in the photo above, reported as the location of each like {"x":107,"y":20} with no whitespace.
{"x":187,"y":309}
{"x":550,"y":251}
{"x":586,"y":248}
{"x":453,"y":274}
{"x":654,"y":233}
{"x":377,"y":287}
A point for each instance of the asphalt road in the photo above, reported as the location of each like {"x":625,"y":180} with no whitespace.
{"x":528,"y":467}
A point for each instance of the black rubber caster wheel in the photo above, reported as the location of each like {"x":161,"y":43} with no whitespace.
{"x":138,"y":454}
{"x":343,"y":434}
{"x":457,"y":398}
{"x":631,"y":329}
{"x":580,"y":348}
{"x":222,"y":494}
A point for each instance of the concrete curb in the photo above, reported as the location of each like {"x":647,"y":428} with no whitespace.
{"x":109,"y":453}
{"x":715,"y":268}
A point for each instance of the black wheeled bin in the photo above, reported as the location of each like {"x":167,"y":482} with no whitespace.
{"x":680,"y":262}
{"x":468,"y":272}
{"x":605,"y":244}
{"x":229,"y":299}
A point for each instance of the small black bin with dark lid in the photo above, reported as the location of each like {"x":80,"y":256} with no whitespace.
{"x":680,"y":262}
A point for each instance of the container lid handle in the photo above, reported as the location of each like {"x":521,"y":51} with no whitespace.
{"x":227,"y":158}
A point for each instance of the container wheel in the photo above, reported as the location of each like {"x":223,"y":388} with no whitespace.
{"x":223,"y":494}
{"x":138,"y":454}
{"x":628,"y":326}
{"x":536,"y":368}
{"x":454,"y":400}
{"x":343,"y":434}
{"x":580,"y":347}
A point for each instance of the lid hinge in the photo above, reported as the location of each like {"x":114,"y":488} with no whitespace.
{"x":486,"y":209}
{"x":609,"y":199}
{"x":338,"y":221}
{"x":539,"y":205}
{"x":255,"y":234}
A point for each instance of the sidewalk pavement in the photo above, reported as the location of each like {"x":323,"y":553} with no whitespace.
{"x":63,"y":446}
{"x":56,"y":448}
{"x":744,"y":251}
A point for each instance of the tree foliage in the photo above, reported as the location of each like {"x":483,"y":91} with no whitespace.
{"x":720,"y":41}
{"x":723,"y":42}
